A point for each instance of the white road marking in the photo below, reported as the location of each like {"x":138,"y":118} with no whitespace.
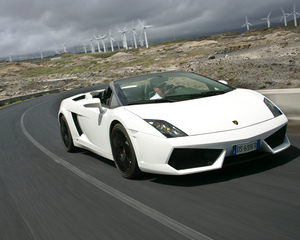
{"x":150,"y":212}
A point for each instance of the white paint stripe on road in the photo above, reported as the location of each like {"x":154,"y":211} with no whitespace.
{"x":150,"y":212}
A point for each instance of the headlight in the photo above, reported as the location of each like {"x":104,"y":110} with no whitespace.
{"x":167,"y":129}
{"x":275,"y":110}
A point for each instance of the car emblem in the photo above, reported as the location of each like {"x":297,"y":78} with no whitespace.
{"x":235,"y":122}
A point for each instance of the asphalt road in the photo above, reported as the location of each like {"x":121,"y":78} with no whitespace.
{"x":47,"y":193}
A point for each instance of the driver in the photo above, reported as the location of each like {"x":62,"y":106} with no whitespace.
{"x":160,"y":90}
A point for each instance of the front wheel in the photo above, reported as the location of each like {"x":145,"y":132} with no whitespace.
{"x":66,"y":135}
{"x":123,"y":152}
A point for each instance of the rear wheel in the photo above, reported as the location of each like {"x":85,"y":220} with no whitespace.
{"x":66,"y":135}
{"x":123,"y":152}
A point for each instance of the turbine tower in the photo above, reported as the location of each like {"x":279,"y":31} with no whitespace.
{"x":103,"y":43}
{"x":295,"y":15}
{"x":92,"y":45}
{"x":56,"y":49}
{"x":141,"y":42}
{"x":10,"y":56}
{"x":284,"y":16}
{"x":145,"y":33}
{"x":134,"y":34}
{"x":84,"y":47}
{"x":98,"y":42}
{"x":141,"y":39}
{"x":247,"y":24}
{"x":268,"y":20}
{"x":41,"y":52}
{"x":64,"y":47}
{"x":123,"y":32}
{"x":111,"y":41}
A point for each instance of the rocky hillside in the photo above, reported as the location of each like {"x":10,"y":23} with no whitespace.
{"x":256,"y":59}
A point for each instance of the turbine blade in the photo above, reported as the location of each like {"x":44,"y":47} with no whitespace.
{"x":141,"y":23}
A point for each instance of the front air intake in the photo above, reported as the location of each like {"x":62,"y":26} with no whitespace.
{"x":182,"y":158}
{"x":276,"y":138}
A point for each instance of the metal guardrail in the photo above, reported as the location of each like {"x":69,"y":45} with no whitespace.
{"x":25,"y":97}
{"x":288,"y":100}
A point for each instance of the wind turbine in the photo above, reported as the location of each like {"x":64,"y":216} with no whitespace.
{"x":284,"y":15}
{"x":111,"y":41}
{"x":123,"y":32}
{"x":295,"y":15}
{"x":41,"y":52}
{"x":10,"y":56}
{"x":268,"y":20}
{"x":64,"y":46}
{"x":84,"y":47}
{"x":56,"y":49}
{"x":92,"y":45}
{"x":247,"y":24}
{"x":98,"y":42}
{"x":103,"y":43}
{"x":145,"y":33}
{"x":141,"y":40}
{"x":134,"y":34}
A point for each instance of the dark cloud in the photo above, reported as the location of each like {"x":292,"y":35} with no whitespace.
{"x":27,"y":26}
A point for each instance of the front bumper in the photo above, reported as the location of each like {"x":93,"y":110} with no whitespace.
{"x":193,"y":154}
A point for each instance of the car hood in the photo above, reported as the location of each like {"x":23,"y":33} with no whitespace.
{"x":209,"y":114}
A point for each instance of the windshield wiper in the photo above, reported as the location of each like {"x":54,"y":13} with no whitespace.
{"x":212,"y":93}
{"x":194,"y":96}
{"x":162,"y":100}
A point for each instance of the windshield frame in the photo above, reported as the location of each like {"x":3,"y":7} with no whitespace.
{"x":139,"y":83}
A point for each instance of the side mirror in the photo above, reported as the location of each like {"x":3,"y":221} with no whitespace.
{"x":94,"y":103}
{"x":223,"y":81}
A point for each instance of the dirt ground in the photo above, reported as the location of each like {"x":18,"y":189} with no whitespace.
{"x":257,"y":59}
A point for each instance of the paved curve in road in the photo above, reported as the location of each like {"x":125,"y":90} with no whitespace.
{"x":47,"y":193}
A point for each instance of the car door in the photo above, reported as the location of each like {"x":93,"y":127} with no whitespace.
{"x":95,"y":126}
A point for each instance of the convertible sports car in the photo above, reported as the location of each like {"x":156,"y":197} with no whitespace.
{"x":172,"y":123}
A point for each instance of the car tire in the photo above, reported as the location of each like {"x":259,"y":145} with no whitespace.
{"x":66,"y":135}
{"x":123,"y":153}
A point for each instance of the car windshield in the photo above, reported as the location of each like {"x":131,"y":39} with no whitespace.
{"x":168,"y":87}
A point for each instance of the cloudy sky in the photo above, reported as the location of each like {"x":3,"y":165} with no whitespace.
{"x":31,"y":25}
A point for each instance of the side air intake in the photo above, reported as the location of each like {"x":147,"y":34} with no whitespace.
{"x":78,"y":128}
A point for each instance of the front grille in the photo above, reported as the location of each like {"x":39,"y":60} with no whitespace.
{"x":183,"y":158}
{"x":276,"y":138}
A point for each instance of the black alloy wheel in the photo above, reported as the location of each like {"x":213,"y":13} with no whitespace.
{"x":66,"y":135}
{"x":123,"y":152}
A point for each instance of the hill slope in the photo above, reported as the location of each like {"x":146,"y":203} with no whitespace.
{"x":256,"y":59}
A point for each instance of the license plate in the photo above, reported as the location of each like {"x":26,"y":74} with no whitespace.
{"x":245,"y":148}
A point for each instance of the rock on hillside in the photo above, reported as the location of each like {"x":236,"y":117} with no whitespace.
{"x":256,"y":59}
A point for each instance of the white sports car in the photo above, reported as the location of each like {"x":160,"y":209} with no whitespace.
{"x":172,"y":123}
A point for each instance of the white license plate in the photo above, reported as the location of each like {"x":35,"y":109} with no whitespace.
{"x":246,"y":147}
